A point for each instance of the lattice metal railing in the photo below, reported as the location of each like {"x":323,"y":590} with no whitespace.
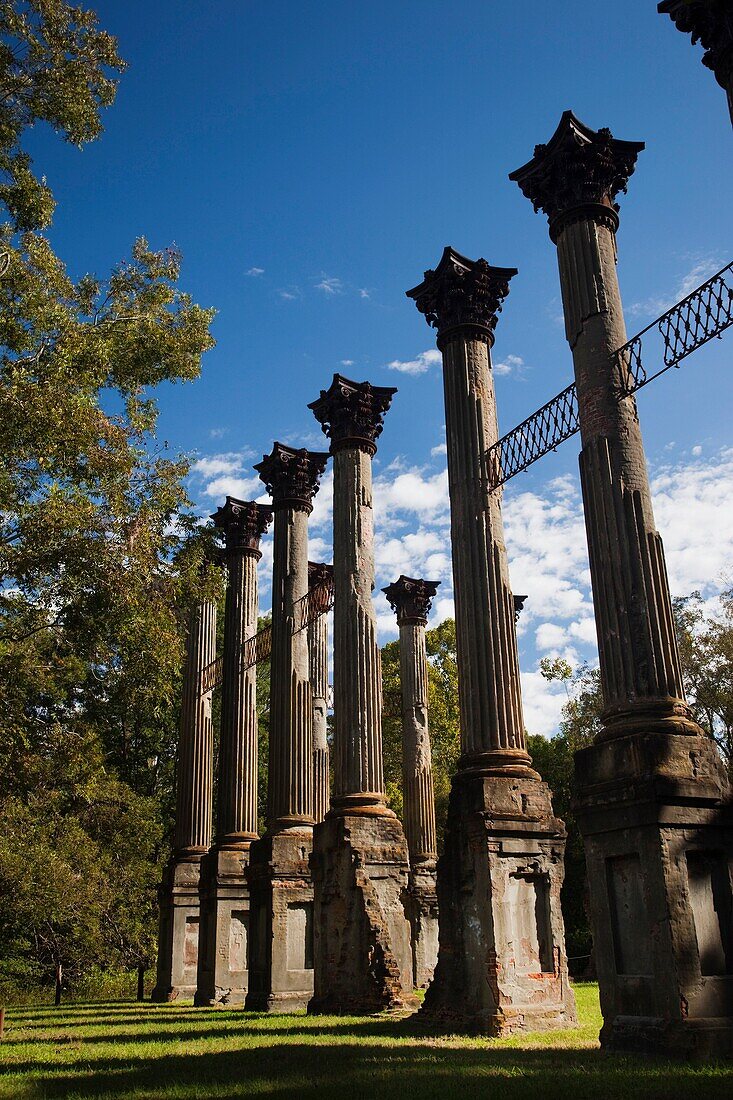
{"x":539,"y":433}
{"x":698,"y":318}
{"x":317,"y":602}
{"x":704,"y":314}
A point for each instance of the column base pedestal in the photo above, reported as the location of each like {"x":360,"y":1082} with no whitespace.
{"x":657,"y":821}
{"x":281,"y":892}
{"x":422,"y":911}
{"x":224,"y":941}
{"x":362,"y":956}
{"x":502,"y":964}
{"x":178,"y":940}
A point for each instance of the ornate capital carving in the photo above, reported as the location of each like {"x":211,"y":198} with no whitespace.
{"x":319,"y":573}
{"x":578,"y":174}
{"x":244,"y":523}
{"x":411,"y":598}
{"x":462,"y":294}
{"x":709,"y":22}
{"x":351,"y":414}
{"x":519,"y":602}
{"x":291,"y":476}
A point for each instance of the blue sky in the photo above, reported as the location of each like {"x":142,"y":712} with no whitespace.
{"x":311,"y":160}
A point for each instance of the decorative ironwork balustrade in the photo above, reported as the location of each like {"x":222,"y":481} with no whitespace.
{"x":318,"y":601}
{"x":700,"y":317}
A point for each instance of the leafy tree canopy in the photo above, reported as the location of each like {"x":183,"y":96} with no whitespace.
{"x":98,"y":552}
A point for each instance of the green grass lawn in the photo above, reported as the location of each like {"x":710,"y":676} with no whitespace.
{"x":177,"y":1051}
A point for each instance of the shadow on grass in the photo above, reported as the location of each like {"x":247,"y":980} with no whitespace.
{"x":239,"y":1024}
{"x":285,"y":1071}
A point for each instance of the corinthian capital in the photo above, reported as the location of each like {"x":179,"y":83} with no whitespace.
{"x":351,"y":414}
{"x":243,"y":522}
{"x":411,"y":598}
{"x":578,"y":174}
{"x":709,"y":22}
{"x":291,"y":476}
{"x":319,"y":573}
{"x":462,"y":294}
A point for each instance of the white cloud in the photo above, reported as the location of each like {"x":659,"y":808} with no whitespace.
{"x":697,"y":451}
{"x":347,"y":362}
{"x":441,"y":449}
{"x":542,"y":703}
{"x":289,"y":293}
{"x":321,"y":517}
{"x":419,"y":365}
{"x":412,"y":492}
{"x":217,"y":433}
{"x":330,"y":285}
{"x":694,"y":517}
{"x":255,"y":272}
{"x":364,"y":293}
{"x":211,"y":465}
{"x":227,"y":474}
{"x":244,"y":488}
{"x":512,"y":364}
{"x":700,"y":271}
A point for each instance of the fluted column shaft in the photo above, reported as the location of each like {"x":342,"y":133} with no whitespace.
{"x":290,"y":777}
{"x":417,"y":770}
{"x":575,"y":179}
{"x":237,"y":793}
{"x":636,"y":636}
{"x":318,"y":657}
{"x":492,"y":728}
{"x":357,"y":673}
{"x":196,"y":737}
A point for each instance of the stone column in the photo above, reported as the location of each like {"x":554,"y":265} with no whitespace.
{"x":178,"y":937}
{"x":709,"y":22}
{"x":318,"y":574}
{"x":223,"y":958}
{"x":500,"y":876}
{"x":411,"y":600}
{"x":281,"y":969}
{"x":650,"y":788}
{"x":360,"y":860}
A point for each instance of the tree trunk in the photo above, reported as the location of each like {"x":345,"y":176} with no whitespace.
{"x":59,"y":978}
{"x":141,"y":982}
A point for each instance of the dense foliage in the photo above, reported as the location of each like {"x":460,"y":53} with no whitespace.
{"x":706,"y":652}
{"x":97,"y":558}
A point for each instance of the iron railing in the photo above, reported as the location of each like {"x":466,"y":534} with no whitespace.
{"x":704,"y":314}
{"x":318,"y":601}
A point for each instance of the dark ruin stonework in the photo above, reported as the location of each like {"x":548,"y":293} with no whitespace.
{"x":709,"y":22}
{"x":653,"y":798}
{"x":502,"y":964}
{"x":223,"y":967}
{"x":178,"y":940}
{"x":362,"y":950}
{"x":411,"y":599}
{"x":281,"y":890}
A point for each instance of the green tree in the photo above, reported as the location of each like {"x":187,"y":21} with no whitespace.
{"x":56,"y":66}
{"x":553,"y":758}
{"x":98,"y":555}
{"x":706,"y":654}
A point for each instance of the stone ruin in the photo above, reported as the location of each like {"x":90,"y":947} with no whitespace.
{"x":339,"y":906}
